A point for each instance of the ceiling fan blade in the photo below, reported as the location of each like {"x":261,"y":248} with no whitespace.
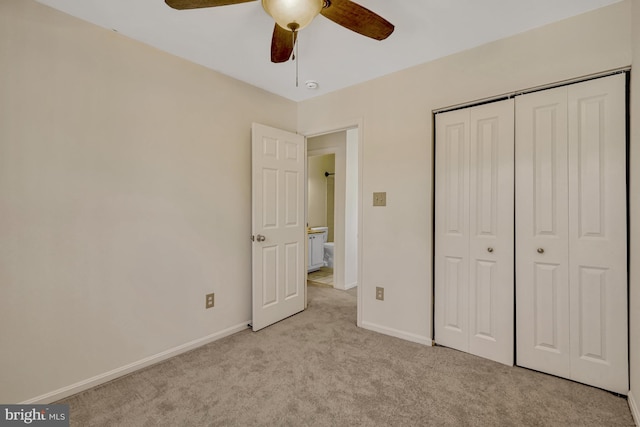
{"x":197,"y":4}
{"x":357,"y":18}
{"x":282,"y":44}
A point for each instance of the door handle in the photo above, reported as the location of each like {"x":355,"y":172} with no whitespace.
{"x":490,"y":250}
{"x":260,"y":238}
{"x":540,"y":250}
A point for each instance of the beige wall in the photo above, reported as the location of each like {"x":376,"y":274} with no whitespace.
{"x":397,"y":144}
{"x":634,"y":191}
{"x":124,"y":199}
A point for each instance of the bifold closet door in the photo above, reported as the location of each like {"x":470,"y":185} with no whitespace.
{"x":474,"y":231}
{"x":542,"y":245}
{"x":571,"y":267}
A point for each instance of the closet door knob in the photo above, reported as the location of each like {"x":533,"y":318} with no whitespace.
{"x":540,"y":250}
{"x":260,"y":238}
{"x":489,"y":250}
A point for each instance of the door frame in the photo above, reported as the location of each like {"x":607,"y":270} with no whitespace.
{"x":333,"y":128}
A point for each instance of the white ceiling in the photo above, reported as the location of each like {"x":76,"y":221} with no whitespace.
{"x":235,"y":40}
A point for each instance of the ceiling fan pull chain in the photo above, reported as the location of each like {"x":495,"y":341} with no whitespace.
{"x":293,"y":43}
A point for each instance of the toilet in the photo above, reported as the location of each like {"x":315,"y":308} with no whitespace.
{"x":328,"y":246}
{"x":328,"y":254}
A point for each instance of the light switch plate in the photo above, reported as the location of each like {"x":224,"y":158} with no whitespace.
{"x":380,"y":199}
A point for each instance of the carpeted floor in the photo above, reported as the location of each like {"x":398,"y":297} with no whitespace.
{"x":318,"y":369}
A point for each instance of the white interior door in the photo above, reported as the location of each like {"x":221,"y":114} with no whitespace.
{"x":571,"y":272}
{"x":598,"y":233}
{"x":278,"y":228}
{"x":452,"y":230}
{"x":491,"y":287}
{"x":474,"y":231}
{"x":542,"y":272}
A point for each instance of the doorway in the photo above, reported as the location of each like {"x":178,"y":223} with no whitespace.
{"x":321,"y":172}
{"x":333,"y":159}
{"x":332,"y":203}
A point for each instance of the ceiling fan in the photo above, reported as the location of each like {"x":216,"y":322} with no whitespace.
{"x":293,"y":15}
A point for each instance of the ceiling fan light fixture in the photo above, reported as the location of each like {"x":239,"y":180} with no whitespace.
{"x":293,"y":15}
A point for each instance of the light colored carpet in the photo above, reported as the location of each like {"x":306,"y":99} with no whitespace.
{"x":318,"y":369}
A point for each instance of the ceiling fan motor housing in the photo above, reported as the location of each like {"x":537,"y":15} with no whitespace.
{"x":293,"y":15}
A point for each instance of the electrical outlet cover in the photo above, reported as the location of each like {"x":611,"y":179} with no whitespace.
{"x":210,"y":300}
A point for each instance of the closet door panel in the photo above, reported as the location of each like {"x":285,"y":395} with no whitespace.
{"x":542,"y":284}
{"x":598,"y":233}
{"x":545,"y":294}
{"x":452,"y":229}
{"x":491,"y":287}
{"x":474,"y":231}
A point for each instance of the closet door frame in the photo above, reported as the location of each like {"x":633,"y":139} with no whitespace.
{"x":549,"y":333}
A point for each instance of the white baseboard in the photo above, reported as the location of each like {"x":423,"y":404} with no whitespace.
{"x":397,"y":333}
{"x":143,"y":363}
{"x":350,"y":285}
{"x":346,"y":286}
{"x":635,"y":409}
